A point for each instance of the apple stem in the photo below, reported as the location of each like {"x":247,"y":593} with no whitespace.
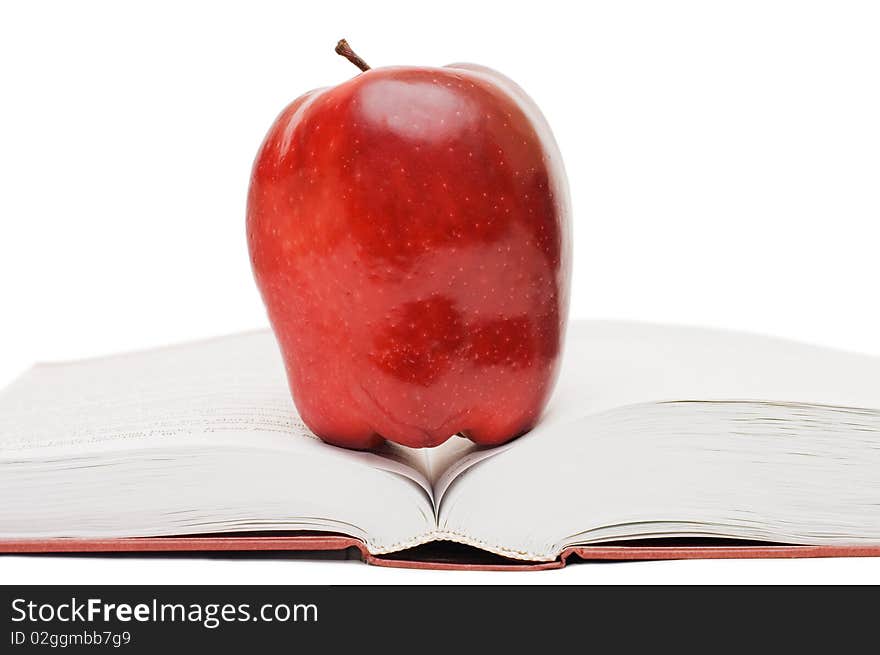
{"x":342,"y":48}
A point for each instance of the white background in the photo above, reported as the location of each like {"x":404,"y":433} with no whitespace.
{"x":724,"y":159}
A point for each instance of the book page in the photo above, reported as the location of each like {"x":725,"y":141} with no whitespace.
{"x":610,"y":364}
{"x":177,"y":413}
{"x":224,"y":390}
{"x":671,"y":431}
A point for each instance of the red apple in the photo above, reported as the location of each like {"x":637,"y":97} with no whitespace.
{"x":409,"y":232}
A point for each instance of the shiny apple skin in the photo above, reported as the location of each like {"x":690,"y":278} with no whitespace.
{"x":409,"y":231}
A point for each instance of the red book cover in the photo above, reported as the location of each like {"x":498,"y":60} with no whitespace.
{"x":315,"y":544}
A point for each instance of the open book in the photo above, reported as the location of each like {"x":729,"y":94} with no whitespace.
{"x":653,"y":432}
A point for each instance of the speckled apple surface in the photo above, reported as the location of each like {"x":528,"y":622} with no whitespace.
{"x":409,"y":231}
